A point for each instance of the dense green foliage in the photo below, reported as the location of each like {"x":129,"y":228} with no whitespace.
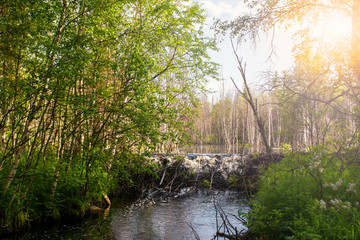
{"x":87,"y":87}
{"x":308,"y":196}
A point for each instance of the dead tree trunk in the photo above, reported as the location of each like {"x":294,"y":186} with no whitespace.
{"x":246,"y":94}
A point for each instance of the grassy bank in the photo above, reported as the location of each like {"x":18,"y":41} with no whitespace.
{"x":313,"y":195}
{"x":23,"y":205}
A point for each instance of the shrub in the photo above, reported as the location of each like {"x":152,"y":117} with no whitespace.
{"x":307,"y":196}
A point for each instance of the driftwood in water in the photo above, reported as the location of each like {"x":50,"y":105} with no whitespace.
{"x":224,"y":228}
{"x":213,"y":171}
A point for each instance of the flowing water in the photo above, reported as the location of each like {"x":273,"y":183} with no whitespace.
{"x":152,"y":218}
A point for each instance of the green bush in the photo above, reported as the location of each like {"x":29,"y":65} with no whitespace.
{"x":307,"y":196}
{"x":79,"y":185}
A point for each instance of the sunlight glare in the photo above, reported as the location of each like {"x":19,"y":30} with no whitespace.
{"x":333,"y":27}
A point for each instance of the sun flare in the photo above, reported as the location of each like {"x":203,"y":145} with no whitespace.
{"x":333,"y":27}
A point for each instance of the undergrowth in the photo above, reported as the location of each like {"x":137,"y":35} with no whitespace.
{"x":313,"y":195}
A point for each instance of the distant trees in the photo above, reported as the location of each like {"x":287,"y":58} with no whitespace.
{"x":314,"y":102}
{"x":290,"y":117}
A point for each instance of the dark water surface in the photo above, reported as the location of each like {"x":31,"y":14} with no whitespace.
{"x":151,"y":219}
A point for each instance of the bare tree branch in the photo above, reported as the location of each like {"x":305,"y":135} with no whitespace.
{"x":246,"y":94}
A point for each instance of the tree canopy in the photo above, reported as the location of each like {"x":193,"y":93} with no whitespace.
{"x":87,"y":87}
{"x":304,"y":18}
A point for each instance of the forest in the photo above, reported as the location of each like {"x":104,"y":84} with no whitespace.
{"x":87,"y":88}
{"x":90,"y":88}
{"x":290,"y":117}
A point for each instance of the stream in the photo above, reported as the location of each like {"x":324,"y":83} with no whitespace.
{"x":152,"y":218}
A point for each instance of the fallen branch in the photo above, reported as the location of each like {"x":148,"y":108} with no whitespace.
{"x":229,"y":231}
{"x":193,"y":231}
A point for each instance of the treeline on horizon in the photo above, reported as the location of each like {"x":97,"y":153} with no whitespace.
{"x":315,"y":102}
{"x":294,"y":115}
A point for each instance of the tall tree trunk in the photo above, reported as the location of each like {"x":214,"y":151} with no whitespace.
{"x":18,"y":154}
{"x":253,"y":104}
{"x":269,"y":120}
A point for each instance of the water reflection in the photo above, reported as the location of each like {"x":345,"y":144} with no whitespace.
{"x":169,"y":220}
{"x":159,"y":219}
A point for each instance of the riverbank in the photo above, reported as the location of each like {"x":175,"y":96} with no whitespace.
{"x":168,"y":175}
{"x":308,"y":195}
{"x":151,"y":217}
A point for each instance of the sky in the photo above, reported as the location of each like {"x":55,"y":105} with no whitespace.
{"x":256,"y":57}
